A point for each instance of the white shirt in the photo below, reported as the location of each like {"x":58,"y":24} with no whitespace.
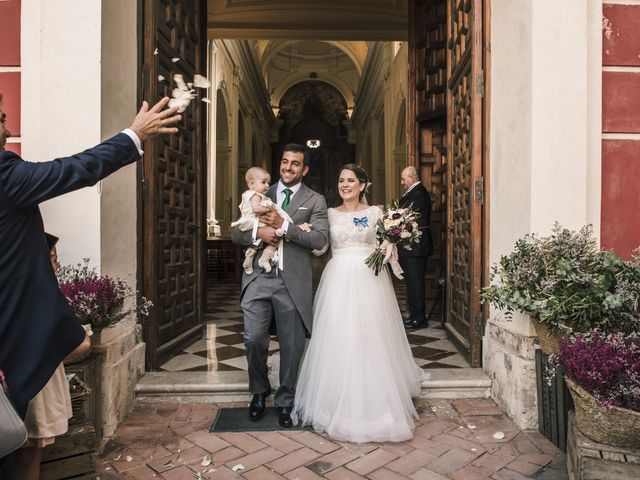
{"x":134,"y":136}
{"x":280,"y":196}
{"x":410,"y":188}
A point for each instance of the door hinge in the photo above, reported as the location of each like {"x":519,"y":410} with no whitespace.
{"x":479,"y":325}
{"x":479,"y":190}
{"x":480,"y":83}
{"x":145,"y":190}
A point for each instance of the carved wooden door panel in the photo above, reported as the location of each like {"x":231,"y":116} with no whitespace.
{"x":427,"y":134}
{"x":464,"y":173}
{"x":173,"y":194}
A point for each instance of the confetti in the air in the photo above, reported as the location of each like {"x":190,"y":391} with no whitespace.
{"x":180,"y":103}
{"x":175,"y":59}
{"x":184,"y":92}
{"x":201,"y":81}
{"x":161,"y":78}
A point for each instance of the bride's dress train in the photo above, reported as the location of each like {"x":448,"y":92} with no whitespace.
{"x":358,"y":375}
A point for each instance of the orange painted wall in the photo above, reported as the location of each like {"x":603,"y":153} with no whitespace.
{"x":620,"y":209}
{"x":10,"y":29}
{"x":10,"y":75}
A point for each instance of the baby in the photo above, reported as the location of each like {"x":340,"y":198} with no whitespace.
{"x":254,"y":203}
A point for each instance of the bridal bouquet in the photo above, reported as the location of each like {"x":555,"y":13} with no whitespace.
{"x":397,"y":227}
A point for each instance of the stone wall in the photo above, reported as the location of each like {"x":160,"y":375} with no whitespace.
{"x":509,"y":361}
{"x":543,"y":166}
{"x":122,"y":366}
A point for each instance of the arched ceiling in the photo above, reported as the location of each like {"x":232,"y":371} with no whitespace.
{"x":369,"y":20}
{"x":287,"y":63}
{"x":356,"y":51}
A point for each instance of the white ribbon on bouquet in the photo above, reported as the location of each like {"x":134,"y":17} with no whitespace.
{"x":391,"y":257}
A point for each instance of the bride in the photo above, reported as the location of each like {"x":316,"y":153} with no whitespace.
{"x":358,"y":375}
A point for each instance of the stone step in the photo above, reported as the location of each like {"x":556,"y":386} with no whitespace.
{"x":213,"y":387}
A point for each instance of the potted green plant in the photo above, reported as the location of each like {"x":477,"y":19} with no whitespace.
{"x":566,"y":284}
{"x":99,"y":301}
{"x":602,"y":372}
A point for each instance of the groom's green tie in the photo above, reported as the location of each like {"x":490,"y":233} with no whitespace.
{"x":287,"y":198}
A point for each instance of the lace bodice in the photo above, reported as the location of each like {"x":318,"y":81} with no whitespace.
{"x":344,"y":233}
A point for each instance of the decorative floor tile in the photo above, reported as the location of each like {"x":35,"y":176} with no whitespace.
{"x":222,"y":348}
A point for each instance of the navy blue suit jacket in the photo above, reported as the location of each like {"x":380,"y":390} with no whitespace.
{"x":418,"y":199}
{"x":37,"y":326}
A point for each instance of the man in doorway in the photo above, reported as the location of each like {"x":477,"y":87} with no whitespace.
{"x":284,"y":294}
{"x":38,"y":329}
{"x":413,"y":261}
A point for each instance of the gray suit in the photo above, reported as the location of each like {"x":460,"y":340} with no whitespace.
{"x":285,"y":294}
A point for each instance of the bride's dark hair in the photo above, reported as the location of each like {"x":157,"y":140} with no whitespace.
{"x":360,"y":174}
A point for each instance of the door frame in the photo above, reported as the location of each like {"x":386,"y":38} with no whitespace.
{"x":154,"y":353}
{"x":475,"y":357}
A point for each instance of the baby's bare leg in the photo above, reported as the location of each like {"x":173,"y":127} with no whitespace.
{"x":247,"y":265}
{"x":265,"y":259}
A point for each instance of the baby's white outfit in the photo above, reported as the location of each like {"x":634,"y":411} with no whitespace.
{"x":249,"y":221}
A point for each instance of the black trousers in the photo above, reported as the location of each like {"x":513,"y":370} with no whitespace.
{"x":414,"y":270}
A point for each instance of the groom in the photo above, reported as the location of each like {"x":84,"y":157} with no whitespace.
{"x":284,"y":294}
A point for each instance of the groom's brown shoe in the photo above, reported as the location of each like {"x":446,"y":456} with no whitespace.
{"x":285,"y":417}
{"x":257,"y":405}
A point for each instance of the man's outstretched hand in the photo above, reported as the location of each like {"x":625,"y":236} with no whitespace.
{"x":150,"y":122}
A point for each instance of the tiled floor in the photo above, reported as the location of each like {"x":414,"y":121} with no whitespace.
{"x":222,"y":349}
{"x":453,"y":439}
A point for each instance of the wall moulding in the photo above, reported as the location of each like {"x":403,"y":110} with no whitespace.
{"x":326,"y":20}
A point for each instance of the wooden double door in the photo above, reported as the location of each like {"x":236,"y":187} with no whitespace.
{"x":447,"y":130}
{"x":447,"y":65}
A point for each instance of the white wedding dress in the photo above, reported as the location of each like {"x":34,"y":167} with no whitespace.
{"x":358,"y":376}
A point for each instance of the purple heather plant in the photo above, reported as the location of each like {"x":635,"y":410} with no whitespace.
{"x":99,"y":300}
{"x":607,"y":366}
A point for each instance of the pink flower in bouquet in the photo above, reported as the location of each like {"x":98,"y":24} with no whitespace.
{"x":397,"y":227}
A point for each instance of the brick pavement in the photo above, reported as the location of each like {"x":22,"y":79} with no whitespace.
{"x":453,"y":440}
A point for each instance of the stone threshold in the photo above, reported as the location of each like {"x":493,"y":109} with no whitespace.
{"x":215,"y":387}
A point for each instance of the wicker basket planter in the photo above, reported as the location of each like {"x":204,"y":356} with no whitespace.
{"x":608,"y":425}
{"x":549,"y":342}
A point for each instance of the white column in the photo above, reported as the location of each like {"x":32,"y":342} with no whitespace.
{"x":119,"y":78}
{"x":559,"y":114}
{"x":61,"y":108}
{"x":542,"y":165}
{"x":212,"y":112}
